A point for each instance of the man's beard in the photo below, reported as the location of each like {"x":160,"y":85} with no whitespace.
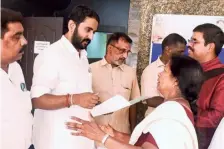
{"x":78,"y":42}
{"x":118,"y":62}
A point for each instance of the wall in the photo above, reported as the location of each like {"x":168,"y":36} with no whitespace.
{"x":43,"y":8}
{"x":133,"y":31}
{"x":147,"y":8}
{"x":97,"y":47}
{"x":113,"y":13}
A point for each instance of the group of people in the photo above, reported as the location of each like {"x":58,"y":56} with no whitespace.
{"x":65,"y":88}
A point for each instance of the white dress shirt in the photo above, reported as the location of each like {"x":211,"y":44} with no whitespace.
{"x":218,"y":138}
{"x":59,"y":71}
{"x":16,"y":117}
{"x":149,"y":81}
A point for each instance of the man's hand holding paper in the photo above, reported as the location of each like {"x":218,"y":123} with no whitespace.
{"x":85,"y":100}
{"x":114,"y":104}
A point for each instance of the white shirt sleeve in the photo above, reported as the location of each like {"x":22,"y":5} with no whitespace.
{"x":45,"y":76}
{"x":218,"y":138}
{"x":149,"y":83}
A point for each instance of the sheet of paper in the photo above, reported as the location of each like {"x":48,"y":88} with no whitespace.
{"x":113,"y":104}
{"x":136,"y":100}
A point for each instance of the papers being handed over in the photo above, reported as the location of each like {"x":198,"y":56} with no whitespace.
{"x":113,"y":104}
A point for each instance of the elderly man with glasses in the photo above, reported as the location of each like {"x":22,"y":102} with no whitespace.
{"x":110,"y":77}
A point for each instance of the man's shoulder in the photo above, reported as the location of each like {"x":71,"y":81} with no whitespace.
{"x":221,"y":73}
{"x":95,"y":65}
{"x":53,"y":51}
{"x":151,"y":67}
{"x":15,"y":65}
{"x":217,"y":80}
{"x":55,"y":46}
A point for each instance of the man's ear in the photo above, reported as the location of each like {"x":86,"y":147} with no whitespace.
{"x":211,"y":48}
{"x":167,"y":50}
{"x":71,"y":26}
{"x":109,"y":49}
{"x":176,"y":82}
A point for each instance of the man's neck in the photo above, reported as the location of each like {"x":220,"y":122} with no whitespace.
{"x":107,"y":59}
{"x":208,"y":58}
{"x":70,"y":40}
{"x":109,"y":62}
{"x":68,"y":37}
{"x":5,"y":67}
{"x":164,"y":59}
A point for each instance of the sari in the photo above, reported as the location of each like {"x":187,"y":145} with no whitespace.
{"x":170,"y":127}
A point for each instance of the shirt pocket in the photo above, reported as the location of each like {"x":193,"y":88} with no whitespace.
{"x":126,"y":82}
{"x":125,"y":89}
{"x":125,"y":86}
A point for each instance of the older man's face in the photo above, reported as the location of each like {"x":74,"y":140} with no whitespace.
{"x":12,"y":43}
{"x":119,"y":51}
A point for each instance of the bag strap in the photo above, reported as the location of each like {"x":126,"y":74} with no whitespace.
{"x":213,"y":73}
{"x":208,"y":75}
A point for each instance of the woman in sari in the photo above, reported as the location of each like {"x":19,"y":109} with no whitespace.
{"x":170,"y":125}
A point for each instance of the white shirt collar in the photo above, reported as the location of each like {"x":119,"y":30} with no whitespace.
{"x":9,"y":73}
{"x":159,"y":63}
{"x":68,"y":45}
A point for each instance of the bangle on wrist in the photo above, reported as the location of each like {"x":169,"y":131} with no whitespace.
{"x":105,"y":139}
{"x":67,"y":101}
{"x":71,"y":100}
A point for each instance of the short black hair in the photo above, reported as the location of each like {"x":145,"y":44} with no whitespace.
{"x":189,"y":74}
{"x":79,"y":14}
{"x":211,"y":34}
{"x":9,"y":16}
{"x":116,"y":36}
{"x":173,"y":39}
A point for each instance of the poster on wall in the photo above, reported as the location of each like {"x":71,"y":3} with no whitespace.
{"x":165,"y":24}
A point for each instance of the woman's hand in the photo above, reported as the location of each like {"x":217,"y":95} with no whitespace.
{"x":87,"y":129}
{"x":123,"y":137}
{"x":108,"y":129}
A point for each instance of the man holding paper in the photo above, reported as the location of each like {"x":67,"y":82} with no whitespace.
{"x":112,"y":77}
{"x":62,"y":84}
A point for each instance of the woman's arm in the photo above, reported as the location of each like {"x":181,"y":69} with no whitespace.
{"x":112,"y":143}
{"x":122,"y":137}
{"x":92,"y":131}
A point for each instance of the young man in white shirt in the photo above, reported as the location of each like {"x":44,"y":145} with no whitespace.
{"x":172,"y":44}
{"x":16,"y":118}
{"x":62,"y":84}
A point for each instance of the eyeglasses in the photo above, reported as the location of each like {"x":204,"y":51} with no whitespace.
{"x":193,"y":41}
{"x":121,"y":51}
